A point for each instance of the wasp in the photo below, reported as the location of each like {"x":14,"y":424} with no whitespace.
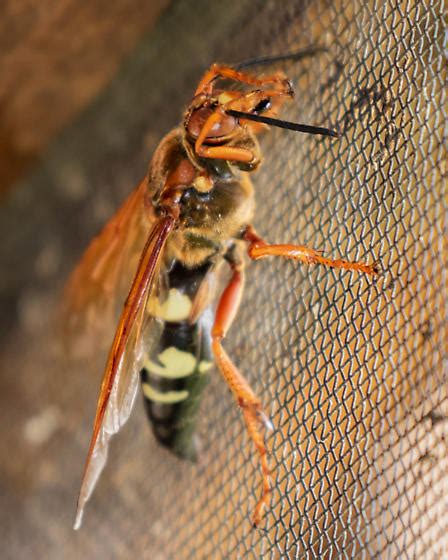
{"x":189,"y":219}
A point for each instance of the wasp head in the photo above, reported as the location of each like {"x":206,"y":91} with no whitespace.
{"x":220,"y":123}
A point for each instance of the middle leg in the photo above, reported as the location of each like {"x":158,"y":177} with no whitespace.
{"x":258,"y":249}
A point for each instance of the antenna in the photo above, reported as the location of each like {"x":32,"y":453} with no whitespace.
{"x":295,"y":55}
{"x":297,"y":127}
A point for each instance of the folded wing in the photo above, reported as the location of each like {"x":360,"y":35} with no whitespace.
{"x":121,"y":375}
{"x":98,"y":286}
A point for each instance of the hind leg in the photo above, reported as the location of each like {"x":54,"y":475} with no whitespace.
{"x":249,"y":403}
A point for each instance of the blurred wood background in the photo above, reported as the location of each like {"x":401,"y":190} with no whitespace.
{"x":54,"y":59}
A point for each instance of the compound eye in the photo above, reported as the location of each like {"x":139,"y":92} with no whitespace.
{"x":263,"y":105}
{"x":224,"y":127}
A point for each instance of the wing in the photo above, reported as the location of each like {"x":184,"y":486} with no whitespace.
{"x":98,"y":286}
{"x":121,"y":376}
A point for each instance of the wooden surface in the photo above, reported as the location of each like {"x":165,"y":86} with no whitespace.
{"x":55,"y":57}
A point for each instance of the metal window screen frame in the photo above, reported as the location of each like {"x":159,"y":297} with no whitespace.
{"x":349,"y":369}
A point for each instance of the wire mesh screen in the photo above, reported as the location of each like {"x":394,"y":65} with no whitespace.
{"x":349,"y":368}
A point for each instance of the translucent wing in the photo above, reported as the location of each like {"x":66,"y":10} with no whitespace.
{"x":121,"y":376}
{"x":98,"y":286}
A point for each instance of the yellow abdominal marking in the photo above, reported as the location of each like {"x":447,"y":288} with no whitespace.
{"x":175,"y":364}
{"x":176,"y":307}
{"x":170,"y":397}
{"x":204,"y":366}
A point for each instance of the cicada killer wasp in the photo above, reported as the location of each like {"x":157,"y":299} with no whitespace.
{"x":188,"y":218}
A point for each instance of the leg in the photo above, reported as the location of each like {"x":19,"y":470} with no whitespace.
{"x":221,"y":71}
{"x":249,"y":403}
{"x":220,"y":152}
{"x":259,"y":249}
{"x":244,"y":103}
{"x":241,"y":102}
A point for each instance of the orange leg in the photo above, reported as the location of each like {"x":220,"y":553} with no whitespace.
{"x":240,"y":102}
{"x":259,"y":249}
{"x":216,"y":70}
{"x":246,"y":398}
{"x":244,"y":103}
{"x":220,"y":152}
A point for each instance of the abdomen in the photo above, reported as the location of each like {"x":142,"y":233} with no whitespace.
{"x":176,"y":368}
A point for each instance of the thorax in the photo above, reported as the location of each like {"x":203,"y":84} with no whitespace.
{"x":210,"y":218}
